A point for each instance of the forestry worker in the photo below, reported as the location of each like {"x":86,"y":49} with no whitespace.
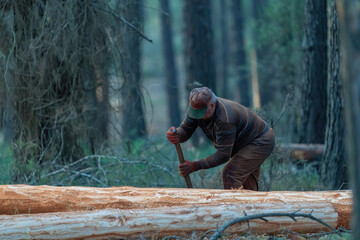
{"x":241,"y":138}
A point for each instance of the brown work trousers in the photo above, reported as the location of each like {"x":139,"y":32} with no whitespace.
{"x":243,"y":169}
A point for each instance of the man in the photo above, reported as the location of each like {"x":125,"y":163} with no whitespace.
{"x":241,"y":138}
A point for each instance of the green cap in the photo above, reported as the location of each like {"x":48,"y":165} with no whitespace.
{"x":198,"y":102}
{"x":196,"y":113}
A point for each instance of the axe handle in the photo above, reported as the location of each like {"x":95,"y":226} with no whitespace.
{"x":181,"y":159}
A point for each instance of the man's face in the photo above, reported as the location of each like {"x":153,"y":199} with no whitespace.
{"x":210,"y":110}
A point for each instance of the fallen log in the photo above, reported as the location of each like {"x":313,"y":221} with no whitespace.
{"x":166,"y":221}
{"x":301,"y":151}
{"x":20,"y":199}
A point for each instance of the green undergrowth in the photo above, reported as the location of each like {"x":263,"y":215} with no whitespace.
{"x":154,"y":163}
{"x":6,"y":159}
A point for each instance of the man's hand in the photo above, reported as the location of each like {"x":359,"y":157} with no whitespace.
{"x":186,"y":168}
{"x":172,"y":135}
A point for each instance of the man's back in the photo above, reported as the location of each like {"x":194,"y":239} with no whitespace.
{"x":231,"y":128}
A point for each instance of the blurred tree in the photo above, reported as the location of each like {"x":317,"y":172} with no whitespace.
{"x":314,"y":86}
{"x":349,"y":15}
{"x":172,"y":89}
{"x":95,"y":76}
{"x":279,"y":30}
{"x":224,"y":39}
{"x":133,"y":112}
{"x":333,"y":167}
{"x":198,"y":49}
{"x":7,"y":108}
{"x":257,"y":9}
{"x":239,"y":53}
{"x":198,"y":41}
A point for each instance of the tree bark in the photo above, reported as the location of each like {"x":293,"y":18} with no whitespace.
{"x":349,"y":15}
{"x":256,"y":8}
{"x":133,"y":110}
{"x":172,"y":89}
{"x":198,"y":37}
{"x":314,"y":87}
{"x":102,"y":109}
{"x":333,"y":166}
{"x":7,"y":106}
{"x":224,"y":39}
{"x":239,"y":52}
{"x":164,"y":221}
{"x":256,"y":100}
{"x":198,"y":49}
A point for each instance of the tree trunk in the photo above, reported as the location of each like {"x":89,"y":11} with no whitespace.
{"x":165,"y":221}
{"x":198,"y":40}
{"x":349,"y":15}
{"x":132,"y":212}
{"x":239,"y":52}
{"x":256,"y":100}
{"x":20,"y":199}
{"x":314,"y":87}
{"x":55,"y":100}
{"x":198,"y":46}
{"x":133,"y":113}
{"x":333,"y":167}
{"x":303,"y":151}
{"x":256,"y":11}
{"x":102,"y":108}
{"x":172,"y":89}
{"x":7,"y":106}
{"x":224,"y":39}
{"x":96,"y":90}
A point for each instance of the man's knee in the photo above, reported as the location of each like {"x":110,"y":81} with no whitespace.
{"x":230,"y":181}
{"x":251,"y":183}
{"x":226,"y":178}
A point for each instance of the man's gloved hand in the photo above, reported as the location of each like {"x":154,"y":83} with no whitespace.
{"x":172,"y":135}
{"x":186,"y":168}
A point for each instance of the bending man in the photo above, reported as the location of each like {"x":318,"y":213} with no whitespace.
{"x":241,"y":138}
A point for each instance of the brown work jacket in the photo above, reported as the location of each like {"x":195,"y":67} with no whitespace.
{"x":230,"y":128}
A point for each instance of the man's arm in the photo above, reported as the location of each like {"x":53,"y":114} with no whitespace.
{"x":225,"y":138}
{"x":187,"y":128}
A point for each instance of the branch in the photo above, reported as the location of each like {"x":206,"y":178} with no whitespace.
{"x":127,"y":23}
{"x":262,"y":216}
{"x":285,"y":105}
{"x":88,"y":176}
{"x":172,"y":237}
{"x":120,"y":161}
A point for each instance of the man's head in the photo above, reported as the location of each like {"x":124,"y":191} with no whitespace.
{"x":201,"y":103}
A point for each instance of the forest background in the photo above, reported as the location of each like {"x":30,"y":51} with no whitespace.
{"x":105,"y":114}
{"x":89,"y":88}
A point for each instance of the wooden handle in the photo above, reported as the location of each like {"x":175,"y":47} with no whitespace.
{"x":181,"y":159}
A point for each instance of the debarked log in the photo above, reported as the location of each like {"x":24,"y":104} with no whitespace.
{"x":301,"y":151}
{"x":26,"y":199}
{"x":165,"y":221}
